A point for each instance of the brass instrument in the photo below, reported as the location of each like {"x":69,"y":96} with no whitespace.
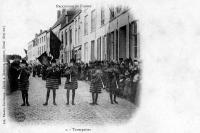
{"x":22,"y":69}
{"x":69,"y":70}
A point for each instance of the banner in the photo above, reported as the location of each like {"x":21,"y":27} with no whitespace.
{"x":44,"y":59}
{"x":55,"y":44}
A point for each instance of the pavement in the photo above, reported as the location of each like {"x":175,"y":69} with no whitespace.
{"x":81,"y":112}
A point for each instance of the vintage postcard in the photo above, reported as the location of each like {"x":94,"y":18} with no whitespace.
{"x":72,"y":66}
{"x":75,"y":65}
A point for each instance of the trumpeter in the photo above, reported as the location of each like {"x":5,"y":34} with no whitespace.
{"x":23,"y":81}
{"x":52,"y":81}
{"x":71,"y":80}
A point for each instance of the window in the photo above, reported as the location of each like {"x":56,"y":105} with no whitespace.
{"x":112,"y":13}
{"x":86,"y":52}
{"x":102,"y":16}
{"x":135,"y":38}
{"x":92,"y":51}
{"x":79,"y":29}
{"x":99,"y":48}
{"x":66,"y":38}
{"x":70,"y":36}
{"x":86,"y":25}
{"x":75,"y":23}
{"x":104,"y":47}
{"x":62,"y":37}
{"x":79,"y":34}
{"x":118,"y":9}
{"x":76,"y":36}
{"x":93,"y":21}
{"x":76,"y":32}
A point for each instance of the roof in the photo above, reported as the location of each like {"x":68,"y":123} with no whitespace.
{"x":71,"y":19}
{"x":66,"y":24}
{"x":41,"y":33}
{"x":62,"y":20}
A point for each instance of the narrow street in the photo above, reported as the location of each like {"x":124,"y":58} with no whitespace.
{"x":82,"y":112}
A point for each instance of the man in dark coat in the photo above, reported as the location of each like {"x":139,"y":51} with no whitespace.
{"x":44,"y":72}
{"x":13,"y":75}
{"x":34,"y":70}
{"x":23,"y":81}
{"x":38,"y":70}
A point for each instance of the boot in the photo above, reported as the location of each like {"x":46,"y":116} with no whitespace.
{"x":115,"y":99}
{"x":23,"y":104}
{"x":111,"y":100}
{"x":67,"y":97}
{"x":45,"y":104}
{"x":47,"y":98}
{"x":23,"y":98}
{"x":92,"y":99}
{"x":54,"y":97}
{"x":96,"y":98}
{"x":73,"y":96}
{"x":27,"y":103}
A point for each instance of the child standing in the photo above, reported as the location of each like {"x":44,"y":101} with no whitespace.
{"x":96,"y":84}
{"x":127,"y":84}
{"x":121,"y":84}
{"x":71,"y":81}
{"x":52,"y":81}
{"x":113,"y":87}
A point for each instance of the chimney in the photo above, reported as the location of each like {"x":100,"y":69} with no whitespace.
{"x":63,"y":11}
{"x":40,"y":31}
{"x":58,"y":14}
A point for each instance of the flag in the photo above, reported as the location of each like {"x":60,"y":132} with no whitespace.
{"x":25,"y":51}
{"x":43,"y":58}
{"x":55,"y":44}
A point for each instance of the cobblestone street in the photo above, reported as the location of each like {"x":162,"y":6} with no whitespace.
{"x":82,"y":112}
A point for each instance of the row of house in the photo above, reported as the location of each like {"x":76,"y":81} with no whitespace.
{"x":92,"y":33}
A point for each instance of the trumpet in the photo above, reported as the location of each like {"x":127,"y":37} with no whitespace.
{"x":52,"y":68}
{"x":70,"y":69}
{"x":22,"y":69}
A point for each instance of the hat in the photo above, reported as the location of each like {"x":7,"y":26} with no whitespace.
{"x":24,"y":62}
{"x":72,"y":60}
{"x":98,"y":72}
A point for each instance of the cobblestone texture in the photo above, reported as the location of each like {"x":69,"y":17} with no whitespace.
{"x":82,"y":112}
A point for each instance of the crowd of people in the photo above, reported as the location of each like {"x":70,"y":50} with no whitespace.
{"x":119,"y":79}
